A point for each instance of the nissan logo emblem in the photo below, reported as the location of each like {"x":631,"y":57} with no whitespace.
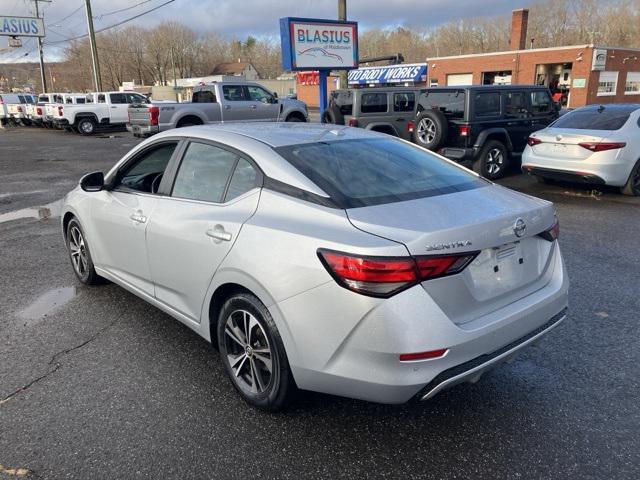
{"x":519,"y":227}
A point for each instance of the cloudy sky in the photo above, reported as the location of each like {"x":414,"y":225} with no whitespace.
{"x":239,"y":18}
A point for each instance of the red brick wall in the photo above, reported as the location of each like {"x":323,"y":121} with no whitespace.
{"x":621,"y":61}
{"x":519,"y":22}
{"x":310,"y":94}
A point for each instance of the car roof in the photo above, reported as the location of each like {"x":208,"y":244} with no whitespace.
{"x":278,"y":134}
{"x":489,"y":87}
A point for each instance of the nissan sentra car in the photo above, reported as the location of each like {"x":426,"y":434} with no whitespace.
{"x":324,"y":258}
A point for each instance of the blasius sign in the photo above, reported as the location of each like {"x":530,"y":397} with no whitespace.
{"x":415,"y":72}
{"x":21,"y":27}
{"x":310,"y":44}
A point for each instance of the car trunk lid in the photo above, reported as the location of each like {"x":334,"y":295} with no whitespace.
{"x":507,"y":267}
{"x":565,"y":143}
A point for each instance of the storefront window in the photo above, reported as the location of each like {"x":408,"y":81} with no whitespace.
{"x":607,"y":84}
{"x":632,"y":87}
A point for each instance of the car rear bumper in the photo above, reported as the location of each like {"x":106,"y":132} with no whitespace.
{"x":349,"y":345}
{"x":566,"y":176}
{"x":459,"y":154}
{"x":61,"y":122}
{"x":143,"y":130}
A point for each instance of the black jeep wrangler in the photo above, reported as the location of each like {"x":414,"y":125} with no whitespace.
{"x":482,"y":125}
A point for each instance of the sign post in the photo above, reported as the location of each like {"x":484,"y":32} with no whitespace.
{"x":323,"y":45}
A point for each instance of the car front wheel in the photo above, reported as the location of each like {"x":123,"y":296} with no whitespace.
{"x":253,"y":354}
{"x":492,"y":161}
{"x":80,"y":255}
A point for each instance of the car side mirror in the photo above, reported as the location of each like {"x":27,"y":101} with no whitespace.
{"x":275,"y":94}
{"x":92,"y":182}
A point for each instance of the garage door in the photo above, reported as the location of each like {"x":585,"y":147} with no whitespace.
{"x":456,"y":79}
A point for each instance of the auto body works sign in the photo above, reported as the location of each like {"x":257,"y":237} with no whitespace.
{"x":415,"y":72}
{"x":21,"y":27}
{"x":309,"y":44}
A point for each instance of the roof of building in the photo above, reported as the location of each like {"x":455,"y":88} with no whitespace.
{"x":532,"y":50}
{"x":231,"y":68}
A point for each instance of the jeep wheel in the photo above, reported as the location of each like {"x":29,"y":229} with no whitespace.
{"x":492,"y":161}
{"x":332,"y":115}
{"x":430,"y":130}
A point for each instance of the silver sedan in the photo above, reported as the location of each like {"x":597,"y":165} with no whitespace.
{"x":323,"y":258}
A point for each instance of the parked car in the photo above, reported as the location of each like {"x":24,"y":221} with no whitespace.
{"x":51,"y":109}
{"x":18,"y":109}
{"x":101,"y":109}
{"x":388,"y":110}
{"x":216,"y":102}
{"x":596,"y":144}
{"x":483,"y":126}
{"x":331,"y":259}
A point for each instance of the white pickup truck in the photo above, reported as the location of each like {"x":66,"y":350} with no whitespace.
{"x":216,"y":102}
{"x":50,"y":108}
{"x":16,"y":106}
{"x":100,"y":109}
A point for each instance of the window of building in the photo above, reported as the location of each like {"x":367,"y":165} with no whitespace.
{"x":632,"y":87}
{"x":607,"y":84}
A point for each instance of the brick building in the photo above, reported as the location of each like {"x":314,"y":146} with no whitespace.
{"x":578,"y":75}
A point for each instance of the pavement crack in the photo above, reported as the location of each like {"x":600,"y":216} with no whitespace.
{"x":56,"y":364}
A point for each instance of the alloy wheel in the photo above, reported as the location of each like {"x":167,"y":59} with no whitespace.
{"x":248,"y":352}
{"x":494,"y":161}
{"x":426,"y":130}
{"x":86,"y":127}
{"x":78,"y":251}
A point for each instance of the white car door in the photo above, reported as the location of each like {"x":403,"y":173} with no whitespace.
{"x":215,"y":191}
{"x":119,"y":108}
{"x":120,"y":216}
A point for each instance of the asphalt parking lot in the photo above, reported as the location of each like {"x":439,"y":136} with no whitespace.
{"x":95,"y":383}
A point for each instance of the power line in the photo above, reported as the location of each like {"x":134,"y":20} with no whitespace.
{"x":68,"y":16}
{"x":101,"y":16}
{"x":78,"y":37}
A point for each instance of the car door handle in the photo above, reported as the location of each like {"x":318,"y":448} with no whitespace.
{"x":227,"y":107}
{"x":113,"y":106}
{"x":253,"y":107}
{"x":138,"y":217}
{"x":218,"y":233}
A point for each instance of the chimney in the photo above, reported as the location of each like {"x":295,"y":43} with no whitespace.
{"x":519,"y":21}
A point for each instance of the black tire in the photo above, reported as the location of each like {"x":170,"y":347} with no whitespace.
{"x":632,"y":187}
{"x":332,"y":115}
{"x":81,"y":261}
{"x":294,"y":118}
{"x":431,"y":129}
{"x":264,"y":336}
{"x":188,"y":122}
{"x":492,"y":161}
{"x":86,"y":126}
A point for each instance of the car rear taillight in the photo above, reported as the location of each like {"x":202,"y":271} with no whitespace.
{"x":602,"y":146}
{"x":431,"y":354}
{"x":552,"y":233}
{"x":464,"y":130}
{"x":353,"y":122}
{"x":38,"y":111}
{"x":60,"y":110}
{"x":154,"y":113}
{"x":386,"y":276}
{"x":410,"y":126}
{"x":531,"y":141}
{"x":19,"y":109}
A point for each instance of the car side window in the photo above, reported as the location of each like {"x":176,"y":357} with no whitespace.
{"x":540,"y":102}
{"x":204,"y":173}
{"x":233,"y":93}
{"x":487,"y":104}
{"x":204,"y":96}
{"x":145,"y":172}
{"x":21,"y":99}
{"x":515,"y":105}
{"x":80,"y":100}
{"x":243,"y":179}
{"x":118,"y":98}
{"x":374,"y":103}
{"x":404,"y":102}
{"x":102,"y":98}
{"x":134,"y":98}
{"x":258,"y":94}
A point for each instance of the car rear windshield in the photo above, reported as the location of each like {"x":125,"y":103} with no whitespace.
{"x":450,"y":102}
{"x":602,"y":118}
{"x":364,"y":172}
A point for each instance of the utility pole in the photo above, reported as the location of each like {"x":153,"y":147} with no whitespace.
{"x":97,"y":79}
{"x":342,"y":15}
{"x":43,"y":76}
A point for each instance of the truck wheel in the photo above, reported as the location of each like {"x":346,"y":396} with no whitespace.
{"x":492,"y":161}
{"x":430,"y":130}
{"x":86,"y":126}
{"x":294,"y":118}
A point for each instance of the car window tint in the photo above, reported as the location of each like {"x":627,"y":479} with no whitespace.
{"x":451,"y":103}
{"x":21,"y":99}
{"x":357,"y":173}
{"x":404,"y":102}
{"x":487,"y":104}
{"x":233,"y":93}
{"x":258,"y":94}
{"x":80,"y":100}
{"x":134,"y":98}
{"x":515,"y":105}
{"x":596,"y":118}
{"x":203,"y":173}
{"x":373,"y":103}
{"x":118,"y":98}
{"x":204,"y":96}
{"x":142,"y":174}
{"x":540,"y":102}
{"x":101,"y":98}
{"x":243,"y":180}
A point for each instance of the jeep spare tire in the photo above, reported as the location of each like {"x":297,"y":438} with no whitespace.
{"x":430,"y":130}
{"x":332,"y":115}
